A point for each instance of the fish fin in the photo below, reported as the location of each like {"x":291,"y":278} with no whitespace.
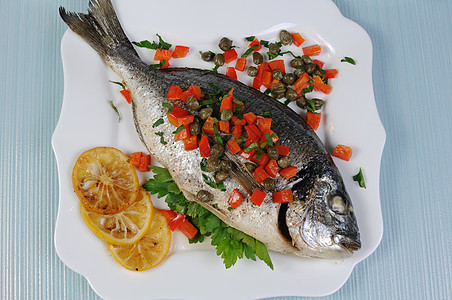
{"x":100,"y":27}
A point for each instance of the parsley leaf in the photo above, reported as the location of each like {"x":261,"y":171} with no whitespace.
{"x":162,"y":140}
{"x":116,"y":110}
{"x":348,"y":60}
{"x":248,"y":52}
{"x":250,"y":38}
{"x":119,"y":83}
{"x":159,"y":65}
{"x":158,"y":123}
{"x":154,"y":46}
{"x":360,"y":178}
{"x":169,"y":106}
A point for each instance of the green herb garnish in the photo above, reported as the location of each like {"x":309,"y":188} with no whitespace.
{"x":116,"y":110}
{"x":231,"y":244}
{"x":158,"y":123}
{"x":264,"y":43}
{"x":249,"y":51}
{"x":215,"y":69}
{"x":159,"y":65}
{"x":252,"y":146}
{"x":348,"y":60}
{"x":212,"y":183}
{"x":203,"y":165}
{"x":250,"y":38}
{"x":169,"y":106}
{"x":360,"y":178}
{"x":162,"y":140}
{"x":217,"y":134}
{"x":119,"y":83}
{"x":154,"y":46}
{"x":179,"y":129}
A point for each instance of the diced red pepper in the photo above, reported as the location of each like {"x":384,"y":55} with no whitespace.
{"x":195,"y":91}
{"x":260,"y":174}
{"x":284,"y":196}
{"x":135,"y":158}
{"x":145,"y":161}
{"x":237,"y":121}
{"x":277,"y":64}
{"x":282,"y":150}
{"x":188,"y":229}
{"x":313,"y":119}
{"x":262,"y":161}
{"x":163,"y":54}
{"x":331,"y":73}
{"x":166,"y":65}
{"x":257,"y":83}
{"x":253,"y":132}
{"x":233,"y":146}
{"x":264,"y":123}
{"x":250,"y":118}
{"x":185,"y":120}
{"x":270,"y":132}
{"x":267,"y":78}
{"x":237,"y":131}
{"x":318,"y":62}
{"x":312,"y":50}
{"x":175,"y":115}
{"x":272,"y":168}
{"x":224,"y":126}
{"x":183,"y":134}
{"x":175,"y":222}
{"x":184,"y":95}
{"x":240,"y":64}
{"x":301,"y":81}
{"x":208,"y":126}
{"x":288,"y":172}
{"x":180,"y":51}
{"x":258,"y":197}
{"x":204,"y":147}
{"x":235,"y":199}
{"x":255,"y":42}
{"x":168,"y":214}
{"x":251,"y":140}
{"x":191,"y":143}
{"x":226,"y":103}
{"x":174,"y":92}
{"x":247,"y":155}
{"x":297,"y":39}
{"x":230,"y":72}
{"x":342,"y":152}
{"x":235,"y":105}
{"x":319,"y":85}
{"x":127,"y":95}
{"x":230,"y":55}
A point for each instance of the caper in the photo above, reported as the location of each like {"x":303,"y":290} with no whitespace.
{"x":285,"y":37}
{"x":205,"y":113}
{"x":217,"y":150}
{"x":290,"y":94}
{"x":273,"y":153}
{"x":250,"y":166}
{"x":288,"y":78}
{"x":297,"y":63}
{"x":193,"y":103}
{"x":301,"y":102}
{"x":258,"y":58}
{"x":278,"y":90}
{"x":207,"y":56}
{"x":306,"y":59}
{"x":204,"y":196}
{"x":298,"y":72}
{"x":218,"y":59}
{"x":195,"y":128}
{"x":226,"y":115}
{"x":213,"y":164}
{"x":284,"y":162}
{"x":268,"y":184}
{"x":310,"y":68}
{"x":318,"y":103}
{"x":226,"y":165}
{"x":277,"y":74}
{"x":225,"y":44}
{"x":277,"y":95}
{"x":252,"y":71}
{"x":221,"y":176}
{"x":274,"y":48}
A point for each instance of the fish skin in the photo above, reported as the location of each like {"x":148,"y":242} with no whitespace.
{"x":320,"y":222}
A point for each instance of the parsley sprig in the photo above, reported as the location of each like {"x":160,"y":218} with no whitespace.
{"x":231,"y":244}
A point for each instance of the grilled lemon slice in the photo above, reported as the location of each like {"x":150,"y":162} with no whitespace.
{"x":104,"y":180}
{"x":147,"y":252}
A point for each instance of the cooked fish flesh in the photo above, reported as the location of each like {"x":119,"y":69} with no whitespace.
{"x":320,"y":222}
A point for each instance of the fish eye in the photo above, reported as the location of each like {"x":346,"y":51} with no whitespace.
{"x":337,"y":204}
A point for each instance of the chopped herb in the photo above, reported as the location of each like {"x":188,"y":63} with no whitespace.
{"x":348,"y":60}
{"x":309,"y":89}
{"x":154,"y":46}
{"x":213,"y":184}
{"x":203,"y":165}
{"x":179,"y":129}
{"x":230,"y":208}
{"x":162,"y":140}
{"x":116,"y":110}
{"x":269,"y":138}
{"x":360,"y":178}
{"x":252,"y":146}
{"x":249,"y":51}
{"x":273,"y":56}
{"x":250,"y":38}
{"x":267,"y":91}
{"x":210,"y":101}
{"x":217,"y":134}
{"x":159,"y":65}
{"x":259,"y":152}
{"x":119,"y":83}
{"x":267,"y":114}
{"x":169,"y":106}
{"x":241,"y":139}
{"x":215,"y":69}
{"x":215,"y":88}
{"x":158,"y":123}
{"x":264,"y":43}
{"x":287,"y":102}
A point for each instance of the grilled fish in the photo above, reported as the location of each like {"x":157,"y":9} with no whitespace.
{"x":320,"y":222}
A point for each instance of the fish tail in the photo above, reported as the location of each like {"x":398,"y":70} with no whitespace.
{"x":100,"y":28}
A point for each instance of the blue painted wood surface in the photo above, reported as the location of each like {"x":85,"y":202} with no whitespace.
{"x":412,"y":42}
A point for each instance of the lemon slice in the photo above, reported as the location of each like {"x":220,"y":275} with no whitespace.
{"x":147,"y":252}
{"x":123,"y":228}
{"x":104,"y":180}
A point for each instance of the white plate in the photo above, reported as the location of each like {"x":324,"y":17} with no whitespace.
{"x":87,"y":120}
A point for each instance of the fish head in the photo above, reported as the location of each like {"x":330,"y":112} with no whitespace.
{"x":321,"y":220}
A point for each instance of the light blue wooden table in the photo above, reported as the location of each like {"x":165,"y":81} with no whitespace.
{"x":412,"y":43}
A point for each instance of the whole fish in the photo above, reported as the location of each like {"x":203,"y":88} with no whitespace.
{"x":320,"y":221}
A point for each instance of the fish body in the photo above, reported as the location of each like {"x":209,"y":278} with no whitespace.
{"x":320,"y":222}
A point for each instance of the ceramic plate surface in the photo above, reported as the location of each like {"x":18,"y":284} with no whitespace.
{"x":350,"y":117}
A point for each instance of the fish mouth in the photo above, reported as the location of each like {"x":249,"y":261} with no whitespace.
{"x":348,"y":243}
